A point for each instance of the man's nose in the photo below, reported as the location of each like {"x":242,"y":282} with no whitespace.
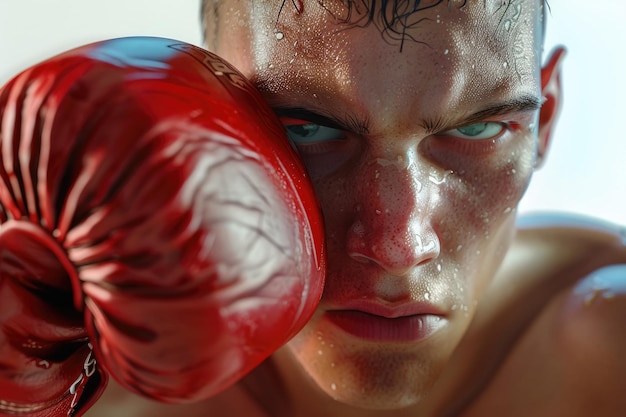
{"x":392,"y":218}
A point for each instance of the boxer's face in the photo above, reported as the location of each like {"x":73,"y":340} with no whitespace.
{"x":419,"y":151}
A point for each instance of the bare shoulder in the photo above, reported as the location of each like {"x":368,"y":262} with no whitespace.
{"x":570,"y":359}
{"x":579,"y":265}
{"x":573,"y":243}
{"x":592,"y":316}
{"x":587,"y":258}
{"x":589,"y":315}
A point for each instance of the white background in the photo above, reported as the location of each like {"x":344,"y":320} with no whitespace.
{"x":586,"y":169}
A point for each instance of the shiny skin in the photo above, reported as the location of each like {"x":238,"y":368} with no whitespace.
{"x":545,"y":328}
{"x":155,"y":226}
{"x":413,"y":215}
{"x":546,"y":324}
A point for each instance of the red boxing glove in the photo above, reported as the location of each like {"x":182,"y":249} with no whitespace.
{"x":155,"y":225}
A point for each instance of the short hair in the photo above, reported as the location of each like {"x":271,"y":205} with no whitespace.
{"x":392,"y":17}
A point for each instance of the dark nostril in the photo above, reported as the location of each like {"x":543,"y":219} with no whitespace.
{"x":425,"y":261}
{"x":414,"y":256}
{"x":360,"y":258}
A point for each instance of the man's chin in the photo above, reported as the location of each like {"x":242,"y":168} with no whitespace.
{"x":377,"y":381}
{"x":361,"y":374}
{"x":381,"y":400}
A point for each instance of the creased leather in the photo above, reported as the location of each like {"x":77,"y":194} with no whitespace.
{"x":155,"y":226}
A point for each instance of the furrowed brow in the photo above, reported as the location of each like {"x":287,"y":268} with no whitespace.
{"x":523,"y":103}
{"x":352,"y":124}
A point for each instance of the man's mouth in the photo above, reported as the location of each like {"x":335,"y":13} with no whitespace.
{"x":381,"y":323}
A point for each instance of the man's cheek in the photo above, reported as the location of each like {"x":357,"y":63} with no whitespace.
{"x":476,"y":201}
{"x":483,"y":200}
{"x":486,"y":185}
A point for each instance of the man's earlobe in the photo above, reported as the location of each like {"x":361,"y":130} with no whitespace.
{"x":552,"y":94}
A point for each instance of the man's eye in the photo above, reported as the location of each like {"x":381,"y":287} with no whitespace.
{"x":322,"y":149}
{"x":477,"y":131}
{"x":311,"y":133}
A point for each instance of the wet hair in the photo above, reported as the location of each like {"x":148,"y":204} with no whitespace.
{"x":394,"y":18}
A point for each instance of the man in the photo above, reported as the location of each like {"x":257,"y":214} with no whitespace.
{"x":421,"y":125}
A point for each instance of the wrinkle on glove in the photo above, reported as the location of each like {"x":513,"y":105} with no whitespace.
{"x":155,"y":226}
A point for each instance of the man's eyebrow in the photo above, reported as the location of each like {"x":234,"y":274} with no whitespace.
{"x":522,"y":103}
{"x":352,"y":124}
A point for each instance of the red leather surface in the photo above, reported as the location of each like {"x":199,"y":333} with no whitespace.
{"x":152,"y":208}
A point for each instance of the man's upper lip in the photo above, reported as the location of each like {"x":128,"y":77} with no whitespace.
{"x":391,"y":310}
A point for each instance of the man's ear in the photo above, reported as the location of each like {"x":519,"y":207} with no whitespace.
{"x":552,"y":94}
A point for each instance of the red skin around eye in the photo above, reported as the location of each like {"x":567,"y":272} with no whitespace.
{"x":324,"y":156}
{"x":473,"y":147}
{"x":288,"y":121}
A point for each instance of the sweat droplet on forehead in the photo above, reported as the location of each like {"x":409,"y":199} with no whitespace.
{"x":308,"y":50}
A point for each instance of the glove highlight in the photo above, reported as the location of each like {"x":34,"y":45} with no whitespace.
{"x":155,"y":226}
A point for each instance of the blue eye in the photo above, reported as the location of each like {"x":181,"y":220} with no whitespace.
{"x":311,"y":133}
{"x":477,"y":131}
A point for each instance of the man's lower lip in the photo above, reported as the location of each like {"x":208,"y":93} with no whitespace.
{"x":383,"y":329}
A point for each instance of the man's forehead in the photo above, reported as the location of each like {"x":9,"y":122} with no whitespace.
{"x":498,"y":27}
{"x":398,"y":21}
{"x":455,"y":53}
{"x":403,"y":13}
{"x":397,"y":17}
{"x":400,"y":15}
